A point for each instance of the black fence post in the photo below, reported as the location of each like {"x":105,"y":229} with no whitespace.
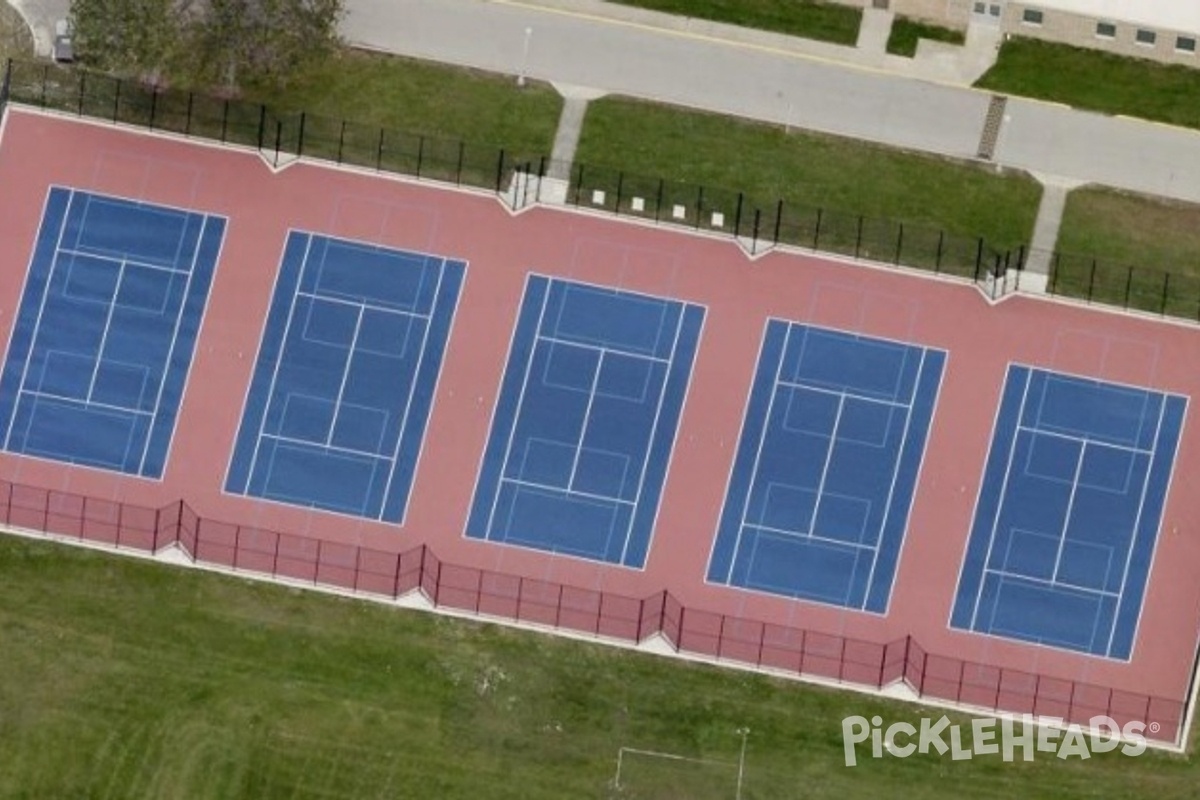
{"x":1166,"y":285}
{"x":937,"y":264}
{"x":116,"y":100}
{"x":620,"y":189}
{"x":1128,"y":284}
{"x":278,"y":139}
{"x":578,"y":183}
{"x":342,"y":141}
{"x":541,"y":177}
{"x":187,"y":126}
{"x":778,"y":219}
{"x":379,"y":151}
{"x":45,"y":80}
{"x":1091,"y":281}
{"x":499,"y":170}
{"x":79,"y":100}
{"x":262,"y":124}
{"x":899,"y":242}
{"x":737,"y":216}
{"x":817,"y":232}
{"x":462,"y":154}
{"x":658,"y":200}
{"x":224,"y":122}
{"x":153,"y":107}
{"x":699,"y":205}
{"x":7,"y":82}
{"x":1052,"y":284}
{"x":757,"y":220}
{"x":858,"y":236}
{"x":978,"y":256}
{"x":300,"y":135}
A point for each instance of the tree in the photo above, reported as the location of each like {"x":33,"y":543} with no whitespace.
{"x":266,"y":41}
{"x":132,"y":36}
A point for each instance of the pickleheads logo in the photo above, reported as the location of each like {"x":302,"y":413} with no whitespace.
{"x":990,"y":737}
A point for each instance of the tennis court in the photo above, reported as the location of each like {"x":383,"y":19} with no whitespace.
{"x":105,"y":331}
{"x":1069,"y":512}
{"x":826,"y":466}
{"x":585,"y":421}
{"x":345,"y":375}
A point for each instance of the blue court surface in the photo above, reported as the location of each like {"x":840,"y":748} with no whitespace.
{"x":586,"y":418}
{"x":345,"y":376}
{"x":1068,"y":512}
{"x":826,"y":466}
{"x":105,"y":331}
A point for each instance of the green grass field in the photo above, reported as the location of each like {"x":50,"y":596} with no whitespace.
{"x":1096,"y":81}
{"x":125,"y":679}
{"x":844,"y":177}
{"x":811,"y":19}
{"x":902,"y":41}
{"x":1135,"y":241}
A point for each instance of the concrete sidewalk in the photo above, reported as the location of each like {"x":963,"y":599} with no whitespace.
{"x":780,"y":79}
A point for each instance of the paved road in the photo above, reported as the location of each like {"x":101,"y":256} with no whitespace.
{"x":767,"y":84}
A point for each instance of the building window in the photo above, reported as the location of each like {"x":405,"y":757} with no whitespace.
{"x":994,"y":10}
{"x":1146,"y":37}
{"x":1032,"y":17}
{"x":981,"y":8}
{"x":1106,"y":30}
{"x":1185,"y":44}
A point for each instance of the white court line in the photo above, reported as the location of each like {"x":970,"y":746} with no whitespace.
{"x":85,"y":403}
{"x":1133,"y":538}
{"x":843,"y":393}
{"x":662,"y":394}
{"x":887,"y":508}
{"x":664,"y":305}
{"x":37,"y":323}
{"x":605,"y":350}
{"x":587,"y":418}
{"x":1070,"y":437}
{"x":762,"y":438}
{"x":1012,"y":449}
{"x":1062,"y":536}
{"x":1051,"y":584}
{"x":162,"y":377}
{"x":528,"y":369}
{"x":112,"y":307}
{"x":558,"y":490}
{"x":361,"y":304}
{"x":262,"y":423}
{"x":809,"y":537}
{"x":412,"y":388}
{"x":291,"y":440}
{"x":833,"y":436}
{"x":736,"y":456}
{"x":133,"y":262}
{"x":337,"y":402}
{"x":1094,"y":383}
